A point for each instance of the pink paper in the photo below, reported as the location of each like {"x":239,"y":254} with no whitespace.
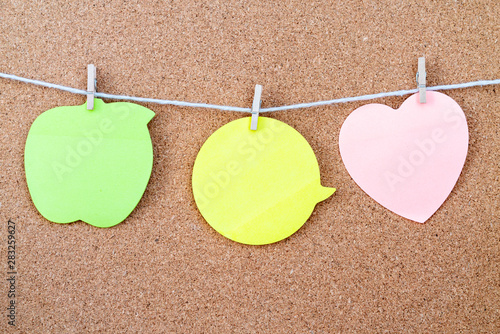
{"x":407,"y":159}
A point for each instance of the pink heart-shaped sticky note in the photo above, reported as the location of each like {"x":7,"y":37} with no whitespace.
{"x":407,"y":159}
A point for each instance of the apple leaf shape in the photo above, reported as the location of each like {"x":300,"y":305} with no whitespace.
{"x":257,"y":187}
{"x":408,"y":159}
{"x":89,"y":165}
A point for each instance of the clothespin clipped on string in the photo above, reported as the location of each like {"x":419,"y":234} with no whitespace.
{"x":421,"y":79}
{"x":256,"y":107}
{"x":91,"y":86}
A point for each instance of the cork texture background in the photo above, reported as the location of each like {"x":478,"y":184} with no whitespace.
{"x":353,"y":267}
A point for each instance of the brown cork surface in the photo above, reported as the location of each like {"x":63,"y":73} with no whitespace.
{"x":353,"y":267}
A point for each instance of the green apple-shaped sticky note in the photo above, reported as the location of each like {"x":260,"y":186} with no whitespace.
{"x":90,"y":165}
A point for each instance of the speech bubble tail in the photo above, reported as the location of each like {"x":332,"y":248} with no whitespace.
{"x":324,"y":192}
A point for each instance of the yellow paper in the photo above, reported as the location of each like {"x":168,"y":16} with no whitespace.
{"x":257,"y":187}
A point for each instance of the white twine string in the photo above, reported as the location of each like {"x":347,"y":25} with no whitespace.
{"x":248,"y":110}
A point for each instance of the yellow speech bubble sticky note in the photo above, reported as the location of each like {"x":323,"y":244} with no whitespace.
{"x":257,"y":187}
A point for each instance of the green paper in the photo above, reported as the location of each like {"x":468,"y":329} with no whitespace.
{"x":257,"y":187}
{"x":89,"y":165}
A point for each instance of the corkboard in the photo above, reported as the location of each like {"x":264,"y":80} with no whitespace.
{"x":353,"y":267}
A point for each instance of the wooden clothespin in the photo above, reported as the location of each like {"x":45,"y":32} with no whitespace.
{"x":421,"y":79}
{"x":256,"y":107}
{"x":91,"y":86}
